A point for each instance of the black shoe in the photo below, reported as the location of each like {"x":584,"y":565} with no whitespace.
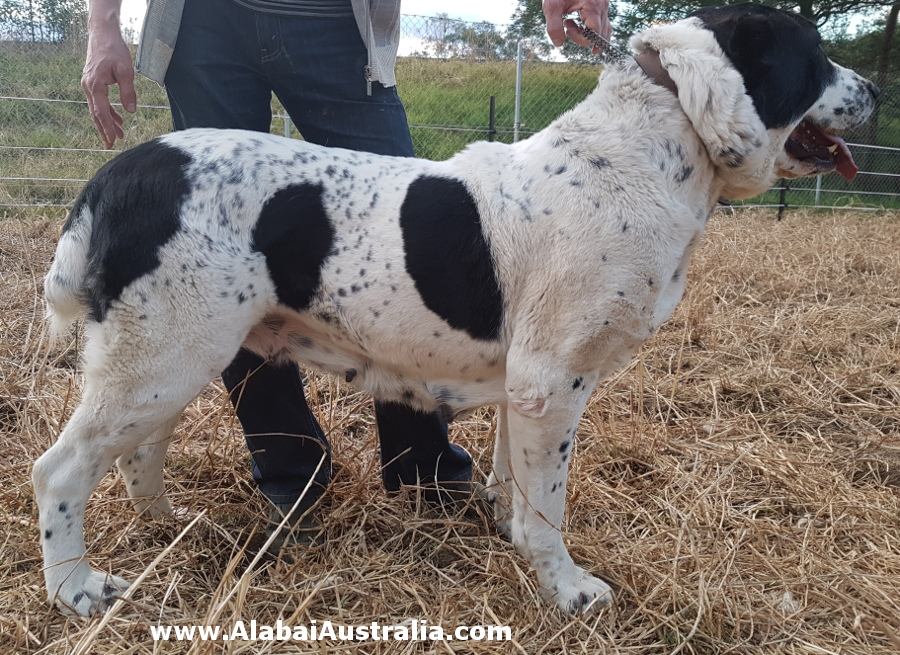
{"x":301,"y":529}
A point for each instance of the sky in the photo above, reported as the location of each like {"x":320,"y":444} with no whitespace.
{"x":493,"y":11}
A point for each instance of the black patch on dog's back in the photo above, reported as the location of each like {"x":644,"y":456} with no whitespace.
{"x":778,"y":55}
{"x":295,"y":235}
{"x":135,"y":200}
{"x":448,"y":257}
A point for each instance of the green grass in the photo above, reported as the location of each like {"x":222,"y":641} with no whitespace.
{"x":447,"y":103}
{"x":452,"y":94}
{"x":457,"y":94}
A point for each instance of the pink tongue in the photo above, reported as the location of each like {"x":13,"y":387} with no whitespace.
{"x":843,"y":160}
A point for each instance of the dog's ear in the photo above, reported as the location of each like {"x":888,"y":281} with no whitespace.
{"x":712,"y":93}
{"x":748,"y":46}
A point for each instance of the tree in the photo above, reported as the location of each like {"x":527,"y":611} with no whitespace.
{"x":528,"y":24}
{"x":42,"y":20}
{"x":479,"y":42}
{"x":63,"y":18}
{"x":629,"y":17}
{"x":871,"y":49}
{"x":639,"y":13}
{"x":871,"y":52}
{"x":890,"y":29}
{"x":449,"y":38}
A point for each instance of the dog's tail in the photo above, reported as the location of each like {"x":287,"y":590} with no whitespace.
{"x":64,"y":285}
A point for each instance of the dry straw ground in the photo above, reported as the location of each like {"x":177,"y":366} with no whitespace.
{"x":739,"y":483}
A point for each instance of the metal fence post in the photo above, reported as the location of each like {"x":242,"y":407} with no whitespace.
{"x":518,"y":118}
{"x":782,"y":200}
{"x":492,"y":119}
{"x":287,"y":127}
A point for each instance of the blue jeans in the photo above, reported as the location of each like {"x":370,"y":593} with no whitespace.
{"x":227,"y":63}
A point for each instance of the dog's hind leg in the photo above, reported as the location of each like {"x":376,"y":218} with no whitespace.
{"x":141,"y":369}
{"x":499,"y":489}
{"x":545,"y":405}
{"x":142,"y":471}
{"x":107,"y":424}
{"x":102,"y":427}
{"x":64,"y":477}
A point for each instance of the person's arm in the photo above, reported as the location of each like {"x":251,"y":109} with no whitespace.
{"x":108,"y":63}
{"x":594,"y":14}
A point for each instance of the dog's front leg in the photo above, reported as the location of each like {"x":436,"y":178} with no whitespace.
{"x":542,"y":422}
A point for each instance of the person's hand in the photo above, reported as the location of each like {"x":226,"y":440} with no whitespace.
{"x":108,"y":63}
{"x":594,"y":14}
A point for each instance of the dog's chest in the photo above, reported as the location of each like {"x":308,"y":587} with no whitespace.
{"x":632,"y":294}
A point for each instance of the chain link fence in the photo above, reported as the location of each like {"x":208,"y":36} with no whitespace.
{"x":458,"y":81}
{"x":876,"y":186}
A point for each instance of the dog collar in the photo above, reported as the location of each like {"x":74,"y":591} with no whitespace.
{"x":648,"y":60}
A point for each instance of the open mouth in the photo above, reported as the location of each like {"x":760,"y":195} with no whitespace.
{"x":825,"y":152}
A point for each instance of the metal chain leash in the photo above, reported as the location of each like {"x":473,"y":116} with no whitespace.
{"x":609,"y":52}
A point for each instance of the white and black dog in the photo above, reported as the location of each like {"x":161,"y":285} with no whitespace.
{"x":518,"y":276}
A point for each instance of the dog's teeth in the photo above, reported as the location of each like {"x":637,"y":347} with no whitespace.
{"x":832,"y":148}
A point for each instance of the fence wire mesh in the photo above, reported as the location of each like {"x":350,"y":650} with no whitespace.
{"x":447,"y":74}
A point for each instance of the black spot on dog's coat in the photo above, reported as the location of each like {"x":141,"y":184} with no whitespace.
{"x":684,"y":174}
{"x":295,"y":236}
{"x":135,"y":200}
{"x":301,"y":341}
{"x":448,"y":258}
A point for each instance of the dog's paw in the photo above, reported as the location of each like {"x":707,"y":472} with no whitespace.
{"x":89,"y":594}
{"x":581,"y":594}
{"x":159,"y":507}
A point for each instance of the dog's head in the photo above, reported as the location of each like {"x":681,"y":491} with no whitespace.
{"x":761,"y":94}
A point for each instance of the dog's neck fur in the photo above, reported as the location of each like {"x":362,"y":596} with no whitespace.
{"x":630,"y":120}
{"x":705,"y":103}
{"x":627,"y":150}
